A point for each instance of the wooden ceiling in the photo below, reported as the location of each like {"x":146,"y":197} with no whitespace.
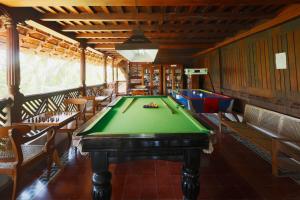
{"x":181,"y":28}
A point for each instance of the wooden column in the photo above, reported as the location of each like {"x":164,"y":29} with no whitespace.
{"x":83,"y":68}
{"x":113,"y":69}
{"x":13,"y":66}
{"x":105,"y":69}
{"x":117,"y":73}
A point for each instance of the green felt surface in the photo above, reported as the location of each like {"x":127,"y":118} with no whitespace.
{"x":139,"y":120}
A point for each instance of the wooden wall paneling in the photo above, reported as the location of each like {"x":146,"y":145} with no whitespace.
{"x":271,"y":60}
{"x":251,"y":65}
{"x":280,"y":49}
{"x":267,"y":64}
{"x":224,"y":68}
{"x":263,"y":64}
{"x":277,"y":73}
{"x":292,"y":61}
{"x":258,"y":64}
{"x":245,"y":65}
{"x":297,"y":56}
{"x":286,"y":72}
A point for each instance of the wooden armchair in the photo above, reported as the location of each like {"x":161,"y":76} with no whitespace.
{"x":91,"y":105}
{"x":16,"y":155}
{"x":105,"y":92}
{"x":76,"y":104}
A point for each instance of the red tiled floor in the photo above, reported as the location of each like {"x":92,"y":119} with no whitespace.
{"x":231,"y":172}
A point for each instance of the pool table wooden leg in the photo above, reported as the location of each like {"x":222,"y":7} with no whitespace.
{"x":101,"y":176}
{"x":190,"y":175}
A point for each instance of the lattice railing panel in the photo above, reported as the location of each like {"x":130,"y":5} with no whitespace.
{"x":33,"y":107}
{"x":95,"y":90}
{"x":5,"y":112}
{"x":55,"y":103}
{"x":3,"y":116}
{"x":49,"y":102}
{"x":73,"y":94}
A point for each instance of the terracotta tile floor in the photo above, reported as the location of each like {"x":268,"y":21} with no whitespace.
{"x":231,"y":172}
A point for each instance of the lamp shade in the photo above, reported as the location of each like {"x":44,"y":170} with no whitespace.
{"x":138,"y":48}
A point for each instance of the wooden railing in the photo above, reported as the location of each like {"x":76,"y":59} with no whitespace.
{"x":53,"y":101}
{"x":39,"y":103}
{"x":5,"y":118}
{"x":94,"y":90}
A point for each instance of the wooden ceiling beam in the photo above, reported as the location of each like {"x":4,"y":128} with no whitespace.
{"x":161,"y":46}
{"x":28,"y":3}
{"x":228,"y":27}
{"x":152,"y":16}
{"x":154,"y":35}
{"x":165,"y":41}
{"x":289,"y":13}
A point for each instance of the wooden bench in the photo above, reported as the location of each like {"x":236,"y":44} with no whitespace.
{"x":276,"y":133}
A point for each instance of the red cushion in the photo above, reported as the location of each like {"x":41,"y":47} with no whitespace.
{"x":211,"y":105}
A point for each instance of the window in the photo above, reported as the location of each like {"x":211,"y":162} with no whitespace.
{"x":3,"y":68}
{"x":121,"y":74}
{"x":109,"y":71}
{"x":43,"y":73}
{"x":94,"y":73}
{"x":115,"y":73}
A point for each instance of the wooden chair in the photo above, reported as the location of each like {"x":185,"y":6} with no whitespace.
{"x":91,"y":106}
{"x":106,"y":92}
{"x":72,"y":104}
{"x":16,"y":155}
{"x":77,"y":104}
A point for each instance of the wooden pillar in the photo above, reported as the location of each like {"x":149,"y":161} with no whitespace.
{"x":117,"y":73}
{"x":13,"y":65}
{"x":83,"y":68}
{"x":105,"y":69}
{"x":113,"y":69}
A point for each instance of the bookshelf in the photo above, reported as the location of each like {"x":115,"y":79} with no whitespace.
{"x":158,"y":79}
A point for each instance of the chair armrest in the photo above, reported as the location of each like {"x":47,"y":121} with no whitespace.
{"x":19,"y":137}
{"x":24,"y":137}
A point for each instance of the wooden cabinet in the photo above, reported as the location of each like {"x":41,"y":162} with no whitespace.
{"x":173,"y":78}
{"x":159,"y":79}
{"x":135,"y":74}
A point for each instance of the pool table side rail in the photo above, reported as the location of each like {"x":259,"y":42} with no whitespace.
{"x":158,"y":142}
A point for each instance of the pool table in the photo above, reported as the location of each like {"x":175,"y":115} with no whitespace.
{"x":202,"y":101}
{"x":125,"y":130}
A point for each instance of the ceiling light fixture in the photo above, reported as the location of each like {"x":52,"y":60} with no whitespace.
{"x":138,"y":48}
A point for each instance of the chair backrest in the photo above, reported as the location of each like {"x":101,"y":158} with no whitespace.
{"x":279,"y":124}
{"x":269,"y":120}
{"x":78,"y":104}
{"x":7,"y":148}
{"x":251,"y":114}
{"x":90,"y":103}
{"x":290,"y":128}
{"x":108,"y":92}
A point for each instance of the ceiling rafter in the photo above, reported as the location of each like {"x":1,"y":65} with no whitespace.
{"x":162,"y":46}
{"x":151,"y":16}
{"x":167,"y":27}
{"x":26,"y":3}
{"x":152,"y":35}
